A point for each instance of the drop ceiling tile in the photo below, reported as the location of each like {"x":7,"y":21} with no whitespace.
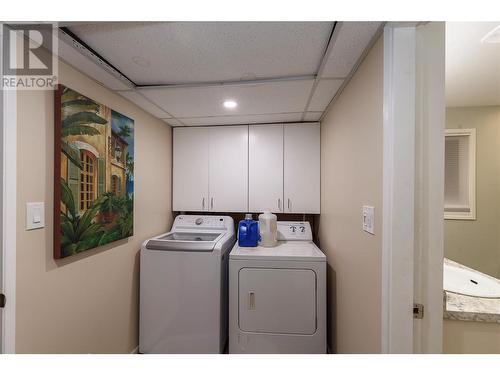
{"x":145,"y":104}
{"x":257,"y":98}
{"x":173,"y":122}
{"x":352,"y":39}
{"x":323,"y":94}
{"x":312,"y":116}
{"x":182,"y":52}
{"x":245,"y":119}
{"x":74,"y":58}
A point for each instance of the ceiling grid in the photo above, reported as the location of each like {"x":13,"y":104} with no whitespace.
{"x":184,"y":71}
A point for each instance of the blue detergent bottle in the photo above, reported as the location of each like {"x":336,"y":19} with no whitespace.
{"x":248,"y":232}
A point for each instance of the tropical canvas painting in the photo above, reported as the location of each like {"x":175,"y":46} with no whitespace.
{"x":94,"y":193}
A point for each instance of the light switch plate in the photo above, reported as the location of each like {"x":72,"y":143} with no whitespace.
{"x":35,"y":215}
{"x":369,"y":219}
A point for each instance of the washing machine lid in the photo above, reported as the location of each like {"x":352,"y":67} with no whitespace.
{"x":185,"y":241}
{"x":285,"y":250}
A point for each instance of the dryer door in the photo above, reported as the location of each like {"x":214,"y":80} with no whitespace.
{"x":277,"y":300}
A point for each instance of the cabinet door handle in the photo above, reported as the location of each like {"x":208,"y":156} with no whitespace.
{"x":279,"y":204}
{"x":203,"y":204}
{"x":288,"y":204}
{"x":212,"y":203}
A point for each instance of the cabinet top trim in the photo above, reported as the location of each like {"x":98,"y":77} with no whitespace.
{"x":257,"y":124}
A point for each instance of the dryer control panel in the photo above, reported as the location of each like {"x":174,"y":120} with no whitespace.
{"x":294,"y":231}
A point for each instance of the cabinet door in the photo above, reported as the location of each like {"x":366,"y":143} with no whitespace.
{"x":228,"y":168}
{"x":302,"y":168}
{"x":265,"y":168}
{"x":190,"y":169}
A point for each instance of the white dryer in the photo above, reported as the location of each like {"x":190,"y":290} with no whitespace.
{"x":184,"y":287}
{"x":277,"y":296}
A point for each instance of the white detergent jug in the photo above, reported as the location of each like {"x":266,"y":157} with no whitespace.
{"x":268,"y":229}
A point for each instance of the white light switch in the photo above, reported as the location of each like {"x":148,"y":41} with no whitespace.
{"x":35,"y":215}
{"x":369,"y":219}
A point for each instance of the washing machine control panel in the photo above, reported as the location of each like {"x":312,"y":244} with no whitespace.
{"x":294,"y":230}
{"x":200,"y":221}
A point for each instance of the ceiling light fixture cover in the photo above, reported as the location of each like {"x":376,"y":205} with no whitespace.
{"x":493,"y":36}
{"x":230,"y":104}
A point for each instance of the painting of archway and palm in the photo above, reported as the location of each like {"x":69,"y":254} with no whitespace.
{"x":93,"y":174}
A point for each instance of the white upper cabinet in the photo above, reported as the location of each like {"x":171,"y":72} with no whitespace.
{"x":242,"y":168}
{"x":302,"y":168}
{"x":190,"y":169}
{"x":228,"y":168}
{"x":265,"y":168}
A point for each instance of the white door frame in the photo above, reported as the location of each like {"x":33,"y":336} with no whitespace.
{"x":398,"y":188}
{"x":9,"y":217}
{"x":9,"y":220}
{"x":412,"y":248}
{"x":429,"y":187}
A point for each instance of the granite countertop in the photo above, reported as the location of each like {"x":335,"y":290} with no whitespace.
{"x":469,"y":308}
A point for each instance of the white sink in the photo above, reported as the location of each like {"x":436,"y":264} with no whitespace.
{"x":470,"y":282}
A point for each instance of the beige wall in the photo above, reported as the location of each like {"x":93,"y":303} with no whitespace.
{"x":470,"y":337}
{"x":476,"y":243}
{"x":87,"y":302}
{"x":351,"y":176}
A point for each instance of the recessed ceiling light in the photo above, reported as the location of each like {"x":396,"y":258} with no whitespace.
{"x":230,"y":104}
{"x":493,"y":36}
